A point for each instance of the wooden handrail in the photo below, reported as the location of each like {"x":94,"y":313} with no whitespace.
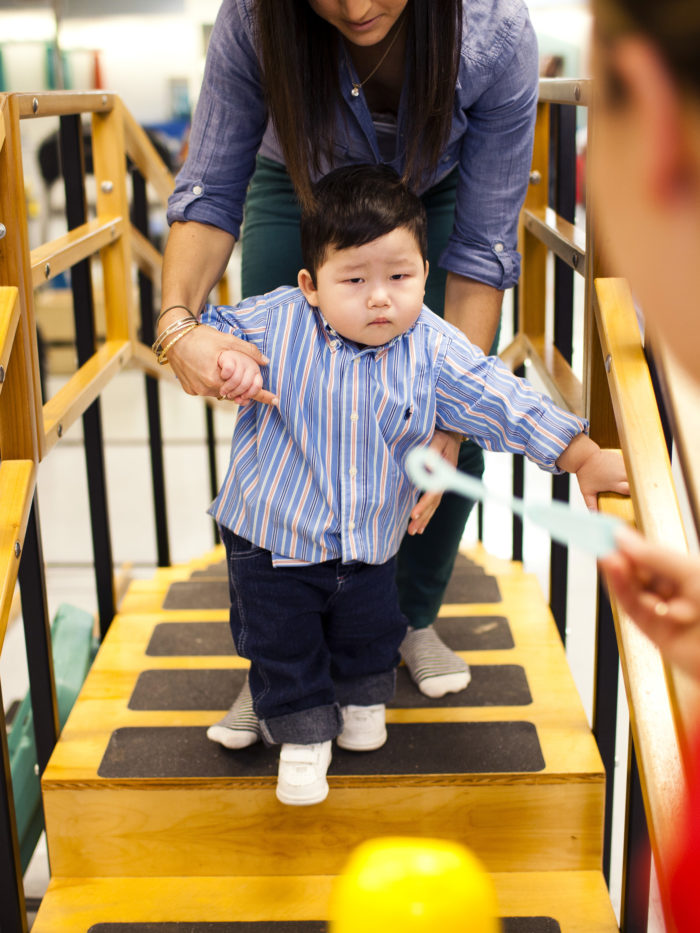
{"x":564,"y":239}
{"x":146,"y":256}
{"x":81,"y":390}
{"x":17,"y":482}
{"x":2,"y":130}
{"x":682,"y":397}
{"x":9,"y":318}
{"x":61,"y":254}
{"x":63,"y":103}
{"x":143,"y":154}
{"x":663,"y":702}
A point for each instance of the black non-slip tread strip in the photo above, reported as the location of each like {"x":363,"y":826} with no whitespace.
{"x":509,"y":925}
{"x":213,"y":639}
{"x":411,"y":749}
{"x":468,"y":584}
{"x":217,"y":688}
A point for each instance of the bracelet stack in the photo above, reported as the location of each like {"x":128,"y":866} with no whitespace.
{"x":173,"y":332}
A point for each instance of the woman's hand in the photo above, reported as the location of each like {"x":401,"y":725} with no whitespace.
{"x":194,"y":360}
{"x":447,"y":445}
{"x":660,"y":591}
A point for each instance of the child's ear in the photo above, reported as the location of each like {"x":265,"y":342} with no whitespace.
{"x":427,"y":267}
{"x":306,"y":284}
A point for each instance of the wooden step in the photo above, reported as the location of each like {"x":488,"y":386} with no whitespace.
{"x":508,"y":767}
{"x":535,"y":902}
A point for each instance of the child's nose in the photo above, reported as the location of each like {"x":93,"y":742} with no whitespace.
{"x":378,"y":296}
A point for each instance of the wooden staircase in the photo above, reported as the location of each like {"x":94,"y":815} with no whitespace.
{"x":153,"y":829}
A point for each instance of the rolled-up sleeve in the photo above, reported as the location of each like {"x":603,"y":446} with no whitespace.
{"x":494,"y":167}
{"x":478,"y":396}
{"x":228,"y":125}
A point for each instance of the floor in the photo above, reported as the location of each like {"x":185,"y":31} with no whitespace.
{"x":67,"y":543}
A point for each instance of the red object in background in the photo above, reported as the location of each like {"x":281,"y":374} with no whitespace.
{"x":685,"y":862}
{"x":97,"y":81}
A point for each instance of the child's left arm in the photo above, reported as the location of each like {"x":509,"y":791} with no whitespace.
{"x":596,"y":470}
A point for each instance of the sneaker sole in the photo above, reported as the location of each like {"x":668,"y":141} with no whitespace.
{"x":294,"y":801}
{"x":351,"y":746}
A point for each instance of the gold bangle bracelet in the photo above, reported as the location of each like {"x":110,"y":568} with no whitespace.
{"x":163,"y":355}
{"x":173,"y":328}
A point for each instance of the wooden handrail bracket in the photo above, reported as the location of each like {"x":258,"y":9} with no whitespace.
{"x":564,"y":239}
{"x":81,"y":390}
{"x":565,"y":91}
{"x":9,"y":318}
{"x":63,"y":103}
{"x":50,"y":259}
{"x":17,"y":482}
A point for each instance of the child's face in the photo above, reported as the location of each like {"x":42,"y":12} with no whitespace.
{"x":370,"y":293}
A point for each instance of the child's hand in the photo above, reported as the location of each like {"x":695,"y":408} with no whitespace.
{"x":660,"y":591}
{"x":596,"y":470}
{"x":603,"y":471}
{"x":241,"y":374}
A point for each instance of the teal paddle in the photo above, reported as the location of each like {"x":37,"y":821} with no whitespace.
{"x":590,"y":531}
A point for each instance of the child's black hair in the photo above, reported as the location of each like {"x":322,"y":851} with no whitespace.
{"x":354,"y":205}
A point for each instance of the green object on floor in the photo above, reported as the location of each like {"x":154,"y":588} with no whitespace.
{"x":74,"y":648}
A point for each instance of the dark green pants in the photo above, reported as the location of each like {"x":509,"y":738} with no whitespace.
{"x":272,"y":257}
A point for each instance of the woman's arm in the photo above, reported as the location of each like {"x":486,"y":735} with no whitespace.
{"x":473,"y":307}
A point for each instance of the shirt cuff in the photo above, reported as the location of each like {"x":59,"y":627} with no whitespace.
{"x":494,"y":265}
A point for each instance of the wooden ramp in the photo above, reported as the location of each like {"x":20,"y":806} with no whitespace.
{"x":154,"y":829}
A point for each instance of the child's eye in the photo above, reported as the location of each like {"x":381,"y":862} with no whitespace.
{"x":399,"y":275}
{"x":355,"y":281}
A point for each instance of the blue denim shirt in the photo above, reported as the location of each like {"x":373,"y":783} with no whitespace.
{"x":491,"y":139}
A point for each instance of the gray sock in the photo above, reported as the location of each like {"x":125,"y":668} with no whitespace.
{"x":239,"y":727}
{"x":434,"y":668}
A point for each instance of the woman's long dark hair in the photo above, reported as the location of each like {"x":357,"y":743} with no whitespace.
{"x":299,"y":57}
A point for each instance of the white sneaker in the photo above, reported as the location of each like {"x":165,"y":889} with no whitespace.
{"x":301,"y":778}
{"x":364,"y":728}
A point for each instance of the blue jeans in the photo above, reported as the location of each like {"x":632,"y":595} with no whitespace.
{"x":318,"y":637}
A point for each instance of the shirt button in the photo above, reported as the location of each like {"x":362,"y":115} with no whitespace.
{"x":351,"y":526}
{"x":498,"y":247}
{"x":354,"y":416}
{"x":197,"y":189}
{"x":334,"y":344}
{"x":353,"y":471}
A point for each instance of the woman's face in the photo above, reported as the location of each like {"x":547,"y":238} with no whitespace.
{"x":644,"y":170}
{"x":362,"y":22}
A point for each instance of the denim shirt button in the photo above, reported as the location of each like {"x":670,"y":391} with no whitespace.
{"x":197,"y":189}
{"x":498,"y":247}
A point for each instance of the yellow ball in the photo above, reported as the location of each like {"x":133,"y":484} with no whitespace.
{"x":407,"y":885}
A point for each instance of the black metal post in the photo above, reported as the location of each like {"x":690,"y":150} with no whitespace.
{"x":73,"y":163}
{"x":13,"y":915}
{"x":605,"y":709}
{"x":37,"y":637}
{"x":155,"y":430}
{"x":211,"y":451}
{"x":636,"y":876}
{"x":563,"y":134}
{"x":518,"y":462}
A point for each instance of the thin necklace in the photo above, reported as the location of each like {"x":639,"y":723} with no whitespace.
{"x":355,"y":86}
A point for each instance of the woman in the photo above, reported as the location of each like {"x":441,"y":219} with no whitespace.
{"x":445,"y":92}
{"x":646,"y":183}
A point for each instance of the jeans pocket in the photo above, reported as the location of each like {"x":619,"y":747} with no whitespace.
{"x":238,"y":548}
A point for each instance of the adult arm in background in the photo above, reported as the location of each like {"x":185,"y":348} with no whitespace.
{"x":196,"y":256}
{"x":494,"y":169}
{"x":660,"y":591}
